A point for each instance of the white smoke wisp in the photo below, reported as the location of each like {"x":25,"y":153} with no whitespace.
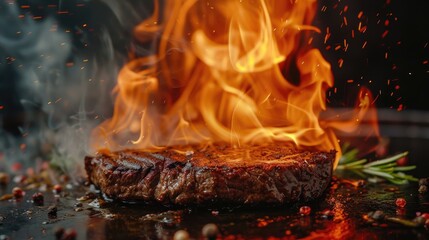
{"x":63,"y":92}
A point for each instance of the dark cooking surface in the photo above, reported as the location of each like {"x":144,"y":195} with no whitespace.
{"x":23,"y":220}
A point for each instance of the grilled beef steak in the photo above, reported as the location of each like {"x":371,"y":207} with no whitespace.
{"x":218,"y":174}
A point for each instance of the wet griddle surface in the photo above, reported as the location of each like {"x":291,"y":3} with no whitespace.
{"x":23,"y":220}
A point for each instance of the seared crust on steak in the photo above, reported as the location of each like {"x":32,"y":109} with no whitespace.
{"x":218,"y":174}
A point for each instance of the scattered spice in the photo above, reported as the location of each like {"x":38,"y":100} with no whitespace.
{"x":78,"y":209}
{"x":424,"y":181}
{"x":16,"y":167}
{"x":327,"y":214}
{"x":423,"y":189}
{"x":420,"y":221}
{"x":17,"y":192}
{"x":377,"y":215}
{"x":4,"y":179}
{"x":400,"y":211}
{"x":57,"y":189}
{"x":400,"y":202}
{"x":305,"y":210}
{"x":38,"y":199}
{"x":69,"y":234}
{"x":181,"y":235}
{"x":6,"y":197}
{"x":52,"y":211}
{"x":59,"y":233}
{"x":356,"y":183}
{"x":19,"y":179}
{"x":64,"y":178}
{"x":210,"y":231}
{"x":88,"y":196}
{"x":391,"y":189}
{"x":423,"y":185}
{"x":360,"y":183}
{"x":98,"y":203}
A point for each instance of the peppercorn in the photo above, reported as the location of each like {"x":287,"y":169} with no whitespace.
{"x":419,"y":220}
{"x":210,"y":231}
{"x":424,"y":181}
{"x":59,"y":233}
{"x":400,"y":202}
{"x":38,"y":198}
{"x":52,"y":211}
{"x":181,"y":235}
{"x":78,"y":204}
{"x":69,"y":234}
{"x":18,"y":192}
{"x":377,"y":215}
{"x":57,"y":189}
{"x":4,"y":179}
{"x":423,"y":189}
{"x":305,"y":210}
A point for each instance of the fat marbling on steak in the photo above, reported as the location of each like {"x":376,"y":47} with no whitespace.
{"x":217,"y":174}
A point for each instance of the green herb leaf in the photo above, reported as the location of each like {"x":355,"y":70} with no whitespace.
{"x":387,"y":160}
{"x":387,"y":168}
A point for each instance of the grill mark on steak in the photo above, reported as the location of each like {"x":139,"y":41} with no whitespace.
{"x":270,"y":174}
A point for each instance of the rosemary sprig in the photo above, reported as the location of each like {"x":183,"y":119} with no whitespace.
{"x":386,"y":168}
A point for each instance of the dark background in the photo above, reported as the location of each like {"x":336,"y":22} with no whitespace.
{"x":393,"y":64}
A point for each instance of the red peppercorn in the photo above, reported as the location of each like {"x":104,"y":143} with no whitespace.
{"x":70,"y":234}
{"x":57,"y":189}
{"x":305,"y":210}
{"x":400,"y":202}
{"x":16,"y":167}
{"x":402,"y":161}
{"x":17,"y":192}
{"x":38,"y":198}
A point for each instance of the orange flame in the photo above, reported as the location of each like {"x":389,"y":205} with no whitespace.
{"x":221,"y":73}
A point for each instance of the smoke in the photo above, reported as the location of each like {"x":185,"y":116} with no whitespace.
{"x":62,"y":90}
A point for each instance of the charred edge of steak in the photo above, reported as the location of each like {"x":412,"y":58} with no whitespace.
{"x":271,"y":174}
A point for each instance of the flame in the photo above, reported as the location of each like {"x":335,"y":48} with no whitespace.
{"x":224,"y":70}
